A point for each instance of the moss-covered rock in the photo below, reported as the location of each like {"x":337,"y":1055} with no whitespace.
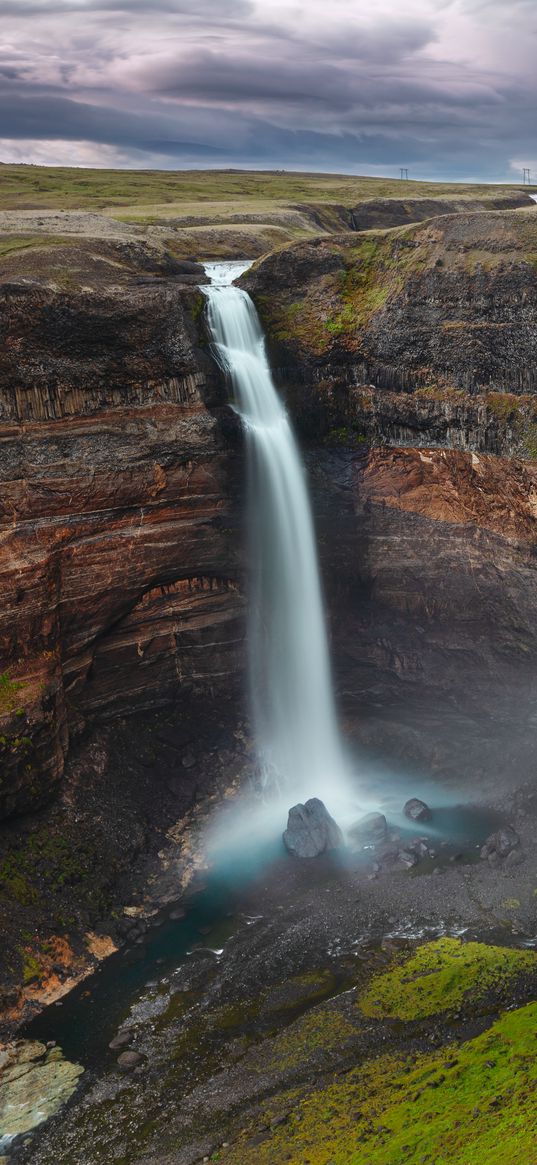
{"x":439,"y":976}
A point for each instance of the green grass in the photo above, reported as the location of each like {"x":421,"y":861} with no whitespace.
{"x":31,"y":969}
{"x":10,"y":244}
{"x":318,"y":1030}
{"x":40,"y":187}
{"x":439,"y":976}
{"x":463,"y":1105}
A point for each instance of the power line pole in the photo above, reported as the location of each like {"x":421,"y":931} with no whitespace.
{"x":404,"y":174}
{"x":527,"y":176}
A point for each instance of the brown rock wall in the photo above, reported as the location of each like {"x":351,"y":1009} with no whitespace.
{"x":118,"y":543}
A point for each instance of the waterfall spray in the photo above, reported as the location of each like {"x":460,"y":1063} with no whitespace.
{"x":291,"y":685}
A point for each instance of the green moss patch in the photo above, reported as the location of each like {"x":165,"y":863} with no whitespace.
{"x":10,"y":698}
{"x":50,"y":859}
{"x":321,"y":1030}
{"x":475,"y":1102}
{"x":439,"y":975}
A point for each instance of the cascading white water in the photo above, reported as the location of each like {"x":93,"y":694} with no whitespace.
{"x":291,"y":686}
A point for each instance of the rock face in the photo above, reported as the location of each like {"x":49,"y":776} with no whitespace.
{"x":118,"y":564}
{"x":311,"y":831}
{"x":34,"y":1085}
{"x":339,"y":313}
{"x":397,"y":212}
{"x":429,"y":571}
{"x":419,"y":338}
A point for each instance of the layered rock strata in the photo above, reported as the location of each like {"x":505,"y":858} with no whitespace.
{"x":375,"y":213}
{"x":117,"y":557}
{"x":447,"y":307}
{"x":429,"y":562}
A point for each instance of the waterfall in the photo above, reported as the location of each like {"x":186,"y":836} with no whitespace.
{"x":291,"y":685}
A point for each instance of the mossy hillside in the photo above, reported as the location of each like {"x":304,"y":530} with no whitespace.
{"x":475,"y":1102}
{"x":336,"y":308}
{"x":15,"y":244}
{"x":66,"y":187}
{"x":440,"y":975}
{"x":326,"y":312}
{"x":319,"y":1032}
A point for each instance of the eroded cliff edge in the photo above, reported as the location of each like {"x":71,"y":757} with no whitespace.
{"x":419,"y":335}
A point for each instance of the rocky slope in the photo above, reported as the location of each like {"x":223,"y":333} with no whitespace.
{"x":375,"y":213}
{"x":443,"y":311}
{"x":118,"y":559}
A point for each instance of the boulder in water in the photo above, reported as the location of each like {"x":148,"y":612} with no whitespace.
{"x":121,"y":1040}
{"x":311,"y":830}
{"x":370,"y":830}
{"x":417,"y":810}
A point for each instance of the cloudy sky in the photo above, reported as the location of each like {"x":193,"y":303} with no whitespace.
{"x":447,"y":88}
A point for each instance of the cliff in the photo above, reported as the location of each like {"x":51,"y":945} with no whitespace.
{"x":444,"y":311}
{"x":429,"y":563}
{"x":118,"y":566}
{"x":375,"y":213}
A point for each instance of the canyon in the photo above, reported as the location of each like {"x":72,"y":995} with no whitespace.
{"x":123,"y":569}
{"x":406,"y":359}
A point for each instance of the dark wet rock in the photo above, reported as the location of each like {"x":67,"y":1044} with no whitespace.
{"x":388,"y":855}
{"x":188,"y":761}
{"x":311,"y":830}
{"x":370,"y":829}
{"x":501,"y":843}
{"x":120,"y":1041}
{"x":417,"y":810}
{"x":128,"y":1061}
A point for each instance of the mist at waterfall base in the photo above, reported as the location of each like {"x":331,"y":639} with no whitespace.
{"x":299,"y":749}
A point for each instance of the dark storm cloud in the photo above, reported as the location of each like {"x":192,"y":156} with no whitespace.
{"x":202,"y":9}
{"x":447,"y":86}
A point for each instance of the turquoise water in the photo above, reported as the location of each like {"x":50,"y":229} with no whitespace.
{"x":85,"y":1021}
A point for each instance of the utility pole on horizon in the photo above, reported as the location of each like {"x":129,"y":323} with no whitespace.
{"x":527,"y":176}
{"x":404,"y":174}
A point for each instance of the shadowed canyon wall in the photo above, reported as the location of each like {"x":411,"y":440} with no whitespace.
{"x":423,"y":338}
